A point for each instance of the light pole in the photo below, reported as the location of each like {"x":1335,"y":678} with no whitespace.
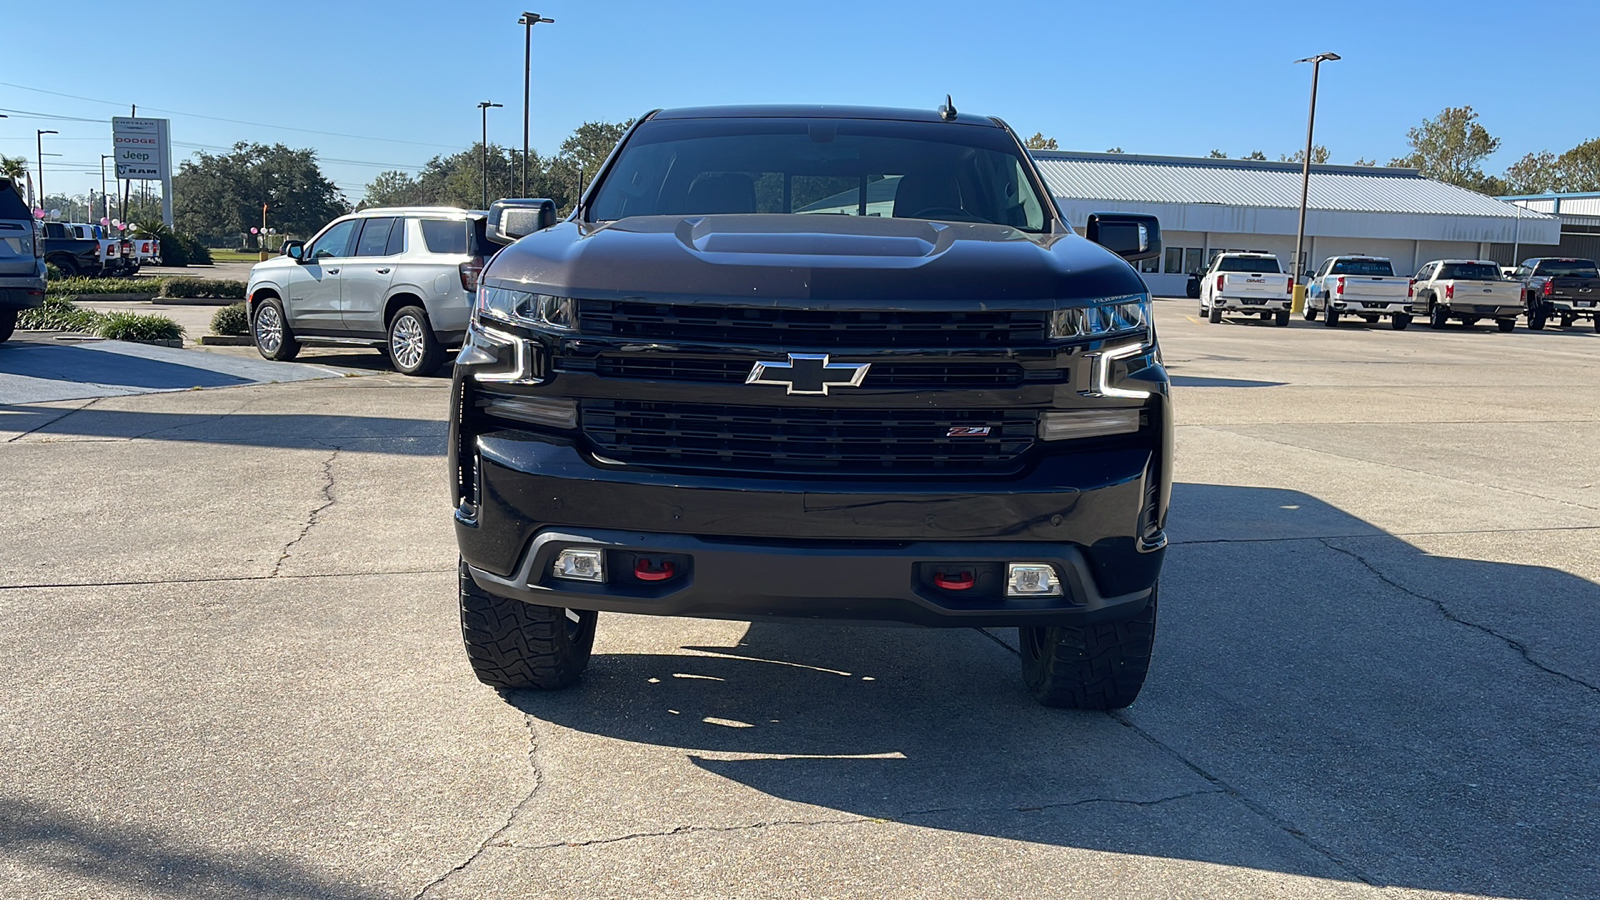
{"x":528,"y":20}
{"x":39,"y":142}
{"x":485,"y":106}
{"x":105,"y":199}
{"x":1305,"y":166}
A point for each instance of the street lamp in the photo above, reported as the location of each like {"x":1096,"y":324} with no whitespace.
{"x":39,"y":146}
{"x":1305,"y":165}
{"x":105,"y":198}
{"x":528,"y":20}
{"x":485,"y":106}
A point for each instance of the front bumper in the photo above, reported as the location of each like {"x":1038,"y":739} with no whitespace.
{"x":834,"y":549}
{"x":1251,"y":304}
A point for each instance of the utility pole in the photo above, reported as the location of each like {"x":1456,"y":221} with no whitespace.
{"x":1305,"y":165}
{"x":105,"y":198}
{"x":528,"y":20}
{"x":39,"y":141}
{"x":485,"y":106}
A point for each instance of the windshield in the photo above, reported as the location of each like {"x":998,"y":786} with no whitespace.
{"x":1469,"y":272}
{"x":841,"y":167}
{"x":1578,"y":268}
{"x":1362,"y":267}
{"x":1258,"y":265}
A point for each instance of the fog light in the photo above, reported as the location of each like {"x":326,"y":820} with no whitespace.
{"x":580,"y":565}
{"x":1032,"y":580}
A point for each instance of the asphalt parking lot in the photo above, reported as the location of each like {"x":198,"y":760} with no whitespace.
{"x":234,"y":666}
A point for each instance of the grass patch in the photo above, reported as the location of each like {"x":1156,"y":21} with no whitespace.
{"x":127,"y":326}
{"x":219,"y":256}
{"x":60,"y":314}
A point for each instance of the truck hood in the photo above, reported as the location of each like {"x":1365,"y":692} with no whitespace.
{"x":762,"y":259}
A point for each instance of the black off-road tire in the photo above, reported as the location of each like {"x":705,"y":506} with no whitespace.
{"x":1215,"y":315}
{"x":413,"y":349}
{"x":273,"y":341}
{"x":1537,"y":315}
{"x":1310,"y":312}
{"x":1330,"y":318}
{"x":1281,"y":318}
{"x":1098,"y":666}
{"x":1506,"y":326}
{"x":1400,"y":321}
{"x":8,"y":324}
{"x":67,"y":265}
{"x":512,"y":644}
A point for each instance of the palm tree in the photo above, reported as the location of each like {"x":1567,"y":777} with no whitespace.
{"x":13,"y":167}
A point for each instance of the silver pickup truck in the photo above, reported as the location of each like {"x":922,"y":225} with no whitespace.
{"x":1358,"y":286}
{"x":1468,"y":290}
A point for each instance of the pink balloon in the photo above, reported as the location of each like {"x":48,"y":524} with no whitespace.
{"x":254,"y":231}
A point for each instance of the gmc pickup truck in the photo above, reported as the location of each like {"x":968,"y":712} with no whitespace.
{"x":1562,"y":289}
{"x":1248,"y":283}
{"x":1468,"y":290}
{"x":814,"y":363}
{"x":1360,"y":286}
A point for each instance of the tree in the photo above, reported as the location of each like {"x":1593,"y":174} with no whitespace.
{"x":1534,"y":173}
{"x":1040,"y":142}
{"x":1363,"y":161}
{"x":1319,"y":155}
{"x":219,"y":196}
{"x":1450,"y":147}
{"x":1216,"y":154}
{"x":1255,"y":154}
{"x":13,"y":167}
{"x":1579,"y":168}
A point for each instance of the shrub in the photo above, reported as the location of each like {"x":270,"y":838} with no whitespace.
{"x":84,"y":287}
{"x":51,"y":273}
{"x":177,"y":249}
{"x":59,"y":314}
{"x":231,"y":320}
{"x":127,"y":326}
{"x":202,"y":287}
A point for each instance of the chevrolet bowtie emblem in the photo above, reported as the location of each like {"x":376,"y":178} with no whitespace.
{"x":808,"y":373}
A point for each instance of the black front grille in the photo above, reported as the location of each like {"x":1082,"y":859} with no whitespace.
{"x":784,"y":439}
{"x":918,"y":375}
{"x":800,"y":329}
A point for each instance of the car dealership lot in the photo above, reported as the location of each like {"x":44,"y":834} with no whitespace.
{"x":235,"y":670}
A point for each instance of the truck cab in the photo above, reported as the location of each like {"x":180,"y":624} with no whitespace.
{"x":1563,"y":289}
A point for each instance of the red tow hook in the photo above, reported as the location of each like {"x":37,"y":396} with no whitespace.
{"x":958,"y":582}
{"x":643,"y":571}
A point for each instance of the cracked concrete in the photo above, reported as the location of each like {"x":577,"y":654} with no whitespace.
{"x":328,"y":500}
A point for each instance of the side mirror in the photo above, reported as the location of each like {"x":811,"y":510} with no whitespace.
{"x":295,"y":250}
{"x":1130,"y":236}
{"x":513,"y":219}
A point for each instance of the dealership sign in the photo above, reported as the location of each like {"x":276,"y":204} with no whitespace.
{"x":142,"y":148}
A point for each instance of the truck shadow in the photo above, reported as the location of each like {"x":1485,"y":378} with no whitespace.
{"x":296,"y":431}
{"x":1327,"y":701}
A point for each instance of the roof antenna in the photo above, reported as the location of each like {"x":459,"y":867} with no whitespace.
{"x":947,"y":112}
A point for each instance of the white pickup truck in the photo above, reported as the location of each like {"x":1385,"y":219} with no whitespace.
{"x":1361,"y":286}
{"x":1247,"y":283}
{"x":117,"y":256}
{"x":1468,"y":290}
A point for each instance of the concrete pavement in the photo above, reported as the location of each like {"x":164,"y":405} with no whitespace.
{"x":235,"y":668}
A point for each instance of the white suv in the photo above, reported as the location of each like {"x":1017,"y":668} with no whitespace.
{"x":400,"y":278}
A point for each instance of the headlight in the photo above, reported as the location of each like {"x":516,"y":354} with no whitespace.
{"x":1114,"y":317}
{"x":523,"y":308}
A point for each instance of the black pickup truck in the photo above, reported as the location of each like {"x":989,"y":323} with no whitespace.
{"x":1562,"y":289}
{"x":73,"y":255}
{"x":814,"y":363}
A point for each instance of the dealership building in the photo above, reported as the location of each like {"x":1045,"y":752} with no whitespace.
{"x":1211,"y":205}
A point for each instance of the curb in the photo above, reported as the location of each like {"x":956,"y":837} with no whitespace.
{"x":196,"y":301}
{"x":107,"y":298}
{"x":224,"y":340}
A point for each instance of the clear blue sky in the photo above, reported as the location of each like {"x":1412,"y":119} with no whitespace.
{"x":1161,"y":77}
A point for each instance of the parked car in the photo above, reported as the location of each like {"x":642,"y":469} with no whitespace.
{"x":398,"y":278}
{"x":1361,"y":286}
{"x":1248,"y":283}
{"x":1466,"y":290}
{"x":1562,"y":289}
{"x":698,"y":397}
{"x":22,"y":279}
{"x":73,"y":255}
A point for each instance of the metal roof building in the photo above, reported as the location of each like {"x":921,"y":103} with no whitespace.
{"x":1580,"y":226}
{"x":1208,"y":205}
